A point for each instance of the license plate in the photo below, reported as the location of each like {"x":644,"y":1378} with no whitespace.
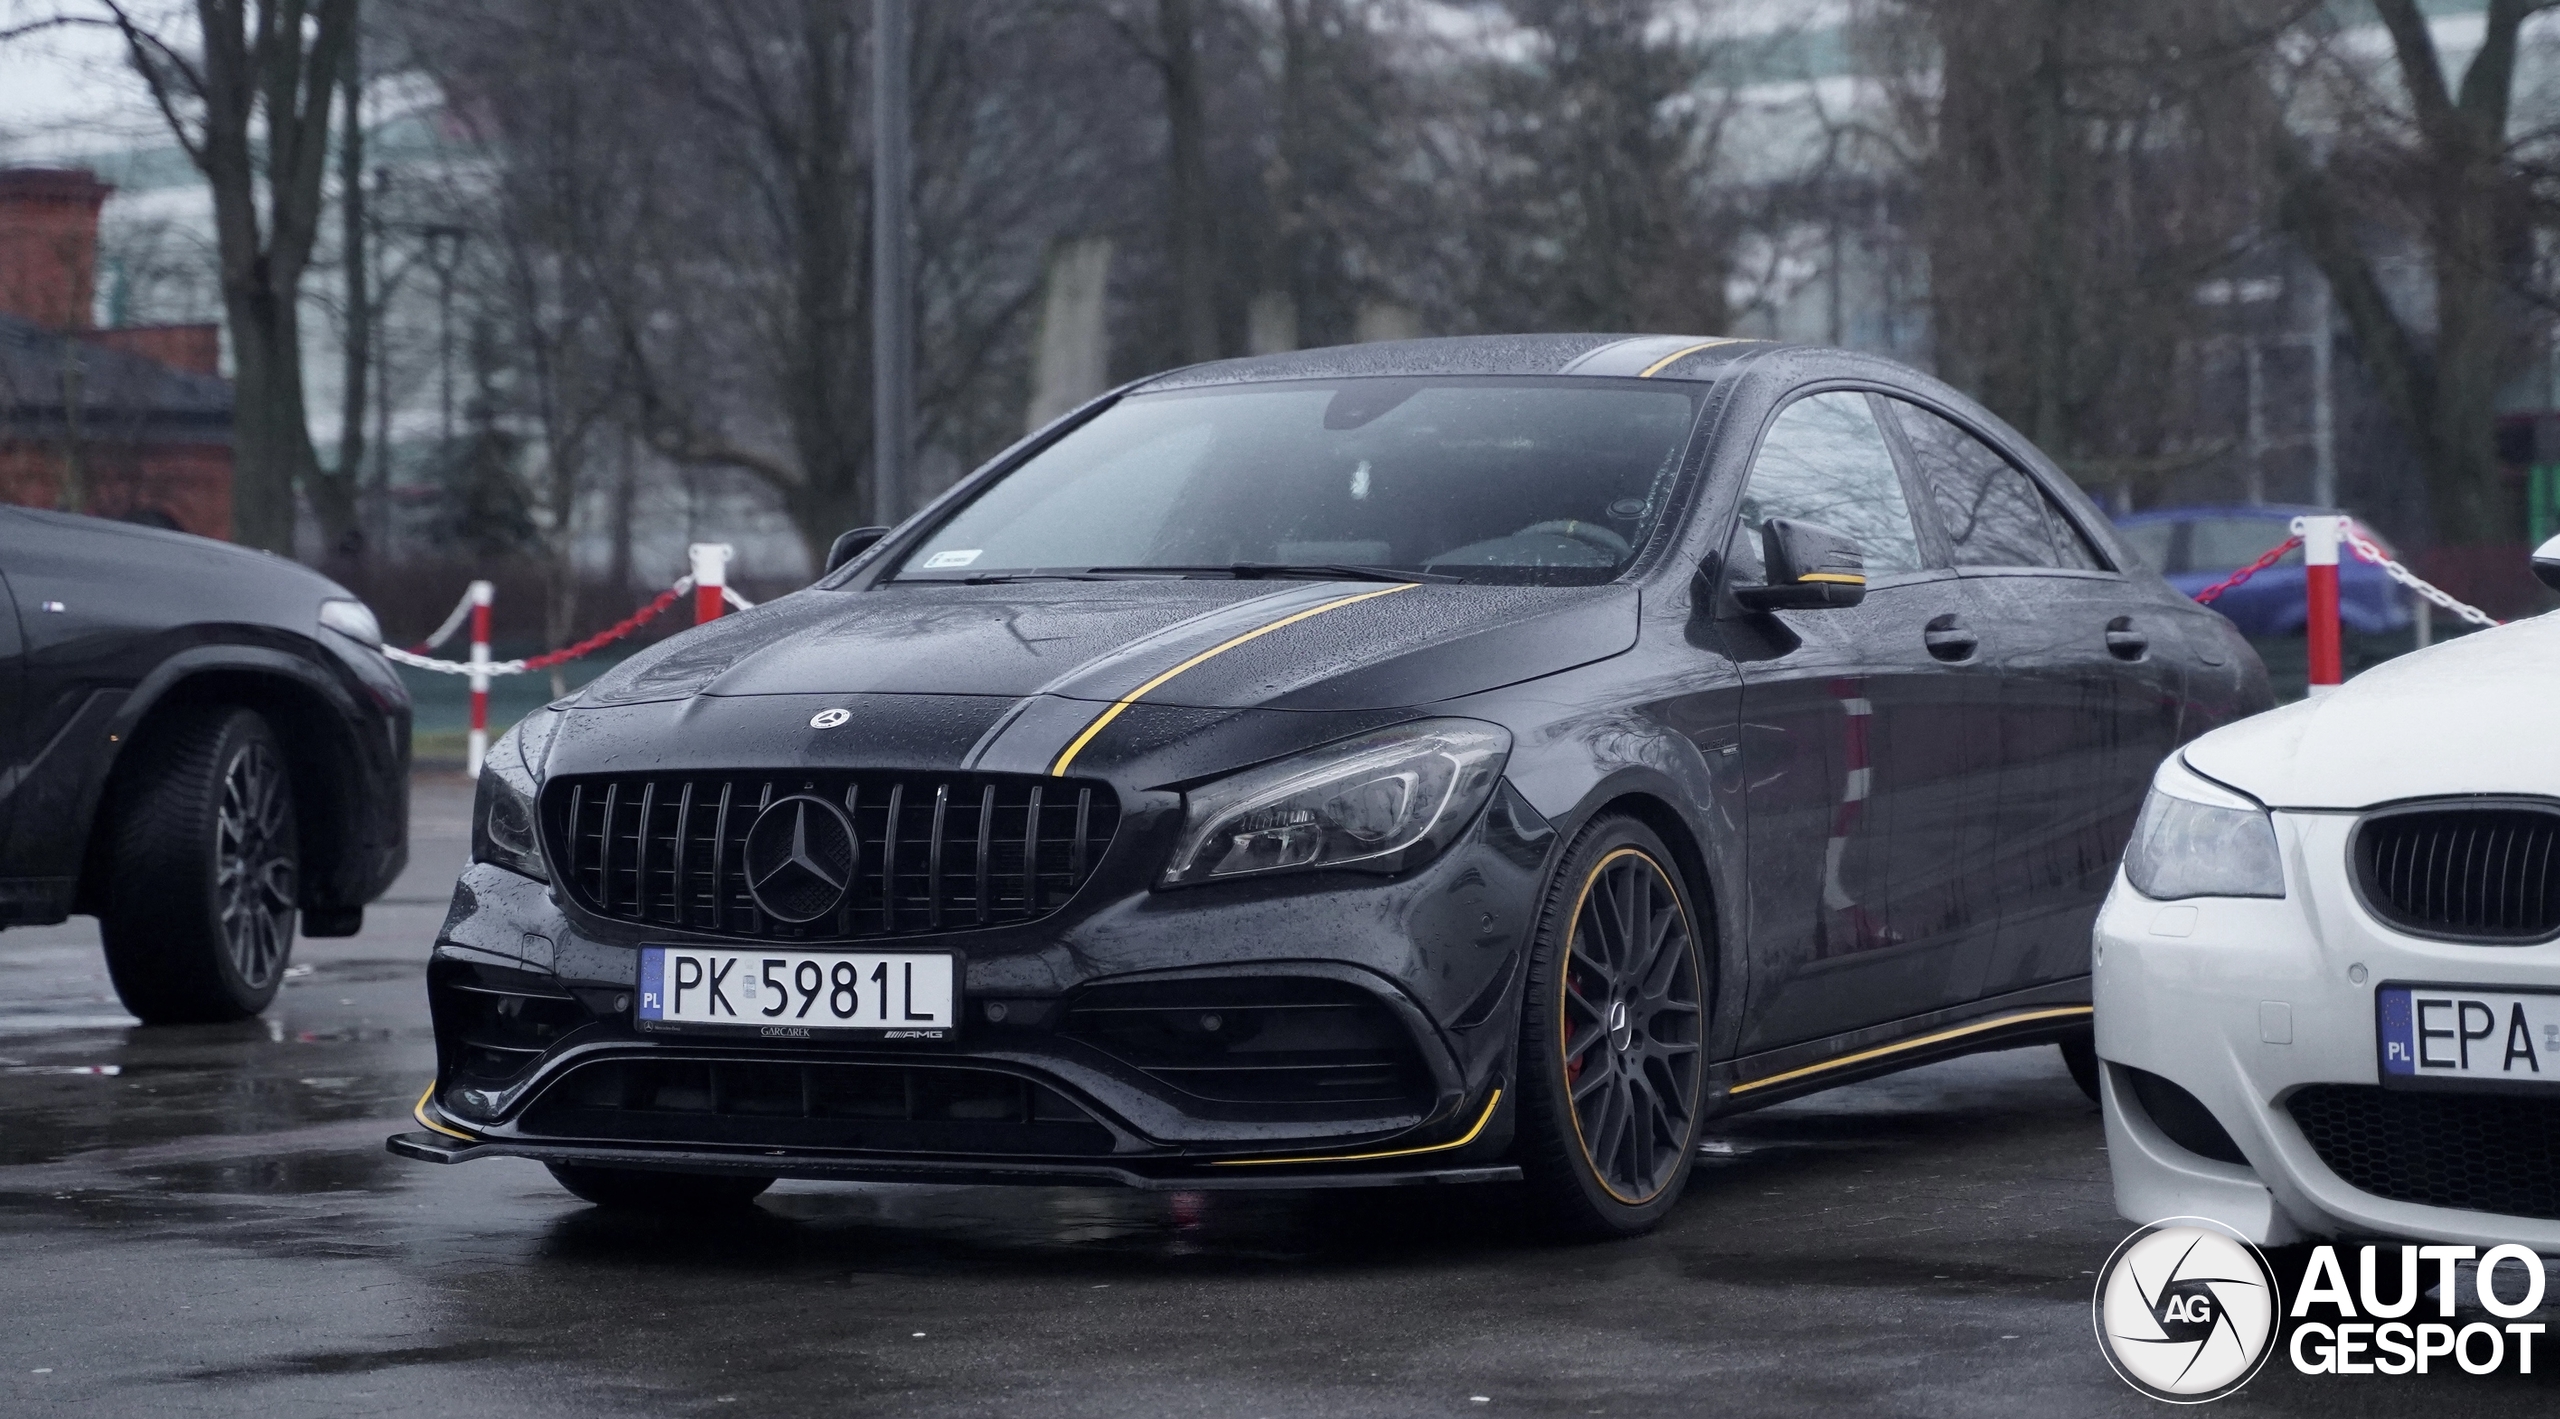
{"x":800,"y":994}
{"x":2467,"y":1035}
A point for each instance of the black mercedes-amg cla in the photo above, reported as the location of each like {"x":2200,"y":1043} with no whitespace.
{"x":1435,"y":762}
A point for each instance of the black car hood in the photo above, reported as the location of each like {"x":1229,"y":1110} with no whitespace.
{"x":1210,"y":644}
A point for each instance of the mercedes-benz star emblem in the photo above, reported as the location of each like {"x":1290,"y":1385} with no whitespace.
{"x":800,"y":858}
{"x":829,"y":718}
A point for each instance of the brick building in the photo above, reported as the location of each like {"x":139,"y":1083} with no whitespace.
{"x":132,"y":422}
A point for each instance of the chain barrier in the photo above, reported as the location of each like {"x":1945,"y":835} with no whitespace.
{"x":452,"y":623}
{"x":2266,"y":559}
{"x":657,"y":607}
{"x":2366,"y":549}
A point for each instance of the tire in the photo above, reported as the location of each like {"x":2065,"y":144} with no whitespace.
{"x":1612,"y":1037}
{"x":647,"y":1190}
{"x":204,"y":870}
{"x":2080,"y":1056}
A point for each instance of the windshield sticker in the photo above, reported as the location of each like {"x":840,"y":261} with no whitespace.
{"x":940,"y":560}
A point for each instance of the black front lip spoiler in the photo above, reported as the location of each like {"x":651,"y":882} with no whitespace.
{"x":436,"y":1148}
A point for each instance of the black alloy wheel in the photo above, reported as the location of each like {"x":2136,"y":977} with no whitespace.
{"x":1613,"y":1053}
{"x":205,"y":877}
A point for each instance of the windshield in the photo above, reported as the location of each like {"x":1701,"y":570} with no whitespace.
{"x":1553,"y":481}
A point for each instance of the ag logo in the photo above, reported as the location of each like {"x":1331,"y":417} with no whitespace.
{"x":2185,"y":1310}
{"x":829,"y":718}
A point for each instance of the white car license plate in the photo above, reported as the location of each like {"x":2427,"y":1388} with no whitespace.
{"x":799,"y":994}
{"x":2469,"y":1035}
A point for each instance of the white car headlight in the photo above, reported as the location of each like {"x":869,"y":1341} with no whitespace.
{"x":2196,"y":838}
{"x":1379,"y":802}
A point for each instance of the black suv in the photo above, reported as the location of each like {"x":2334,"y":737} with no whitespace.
{"x":201,"y":743}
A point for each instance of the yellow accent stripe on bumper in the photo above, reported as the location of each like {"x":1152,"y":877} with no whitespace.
{"x":1485,"y":1118}
{"x":418,"y":1111}
{"x":1900,"y":1046}
{"x":1683,"y":353}
{"x":1067,"y":756}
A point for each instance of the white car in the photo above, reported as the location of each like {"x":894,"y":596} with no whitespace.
{"x":2328,"y":978}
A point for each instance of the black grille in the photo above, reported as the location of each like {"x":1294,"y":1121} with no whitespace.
{"x":935,"y":853}
{"x":2496,"y":1153}
{"x":2481,"y":873}
{"x":1257,"y":1039}
{"x":814,"y":1104}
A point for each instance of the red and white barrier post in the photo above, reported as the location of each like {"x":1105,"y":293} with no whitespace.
{"x":481,"y":594}
{"x":2321,"y":536}
{"x":710,"y":579}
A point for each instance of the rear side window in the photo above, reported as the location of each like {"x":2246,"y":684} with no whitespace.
{"x":1994,"y":514}
{"x":1825,"y":461}
{"x":2221,"y":544}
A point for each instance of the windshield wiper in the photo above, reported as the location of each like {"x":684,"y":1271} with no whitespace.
{"x":1255,"y":571}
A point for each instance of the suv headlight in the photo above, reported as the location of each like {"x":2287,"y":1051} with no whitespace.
{"x":2196,"y":838}
{"x":354,"y":620}
{"x":1379,"y":802}
{"x":504,"y":830}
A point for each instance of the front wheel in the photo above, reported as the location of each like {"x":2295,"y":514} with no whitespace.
{"x":648,"y":1190}
{"x":203,"y":886}
{"x":1613,"y":1037}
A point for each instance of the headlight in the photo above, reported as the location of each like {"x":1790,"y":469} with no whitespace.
{"x":1380,"y":802}
{"x":504,"y":831}
{"x":2196,"y":838}
{"x":352,"y":619}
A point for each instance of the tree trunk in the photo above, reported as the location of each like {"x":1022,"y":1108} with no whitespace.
{"x":1187,"y":150}
{"x":333,"y":495}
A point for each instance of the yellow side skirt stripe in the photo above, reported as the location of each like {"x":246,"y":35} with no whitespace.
{"x":1487,"y":1117}
{"x":1901,"y":1046}
{"x":418,"y":1111}
{"x":1058,"y":768}
{"x":1683,"y":353}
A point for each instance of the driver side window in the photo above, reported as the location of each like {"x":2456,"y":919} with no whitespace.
{"x":1825,"y":461}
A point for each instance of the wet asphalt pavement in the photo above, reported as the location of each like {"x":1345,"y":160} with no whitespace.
{"x":202,"y":1221}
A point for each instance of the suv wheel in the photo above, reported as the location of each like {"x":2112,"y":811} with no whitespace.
{"x":648,"y":1190}
{"x":205,"y":871}
{"x":1612,"y":1041}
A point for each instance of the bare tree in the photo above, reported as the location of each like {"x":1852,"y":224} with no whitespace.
{"x":2435,"y":164}
{"x":250,"y":106}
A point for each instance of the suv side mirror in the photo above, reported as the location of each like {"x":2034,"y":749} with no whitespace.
{"x":849,"y":545}
{"x":2546,"y":563}
{"x":1808,"y":566}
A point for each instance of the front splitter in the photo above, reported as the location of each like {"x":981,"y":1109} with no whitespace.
{"x":436,"y":1148}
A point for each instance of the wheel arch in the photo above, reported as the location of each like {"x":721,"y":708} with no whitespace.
{"x":313,"y":719}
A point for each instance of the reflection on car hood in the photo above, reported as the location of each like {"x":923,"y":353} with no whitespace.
{"x":2478,"y":714}
{"x":1232,"y":644}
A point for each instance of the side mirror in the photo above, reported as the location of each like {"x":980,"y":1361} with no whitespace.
{"x":849,"y":545}
{"x":1809,"y":567}
{"x":2546,"y":563}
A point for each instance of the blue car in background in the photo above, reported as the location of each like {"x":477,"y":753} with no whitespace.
{"x":2194,"y":547}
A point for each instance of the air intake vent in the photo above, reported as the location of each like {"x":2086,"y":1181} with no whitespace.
{"x":2496,"y":1153}
{"x":1259,"y":1040}
{"x":2486,"y":873}
{"x":926,"y":853}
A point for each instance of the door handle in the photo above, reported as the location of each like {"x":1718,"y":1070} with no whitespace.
{"x":2124,"y":642}
{"x":1948,"y":640}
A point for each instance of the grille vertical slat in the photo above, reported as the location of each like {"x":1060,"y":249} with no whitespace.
{"x":994,"y":849}
{"x":2468,"y":872}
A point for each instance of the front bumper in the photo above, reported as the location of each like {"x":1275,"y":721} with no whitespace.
{"x":1414,"y":980}
{"x":2244,"y":1004}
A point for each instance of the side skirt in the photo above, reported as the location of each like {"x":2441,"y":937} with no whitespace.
{"x":2045,"y":1013}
